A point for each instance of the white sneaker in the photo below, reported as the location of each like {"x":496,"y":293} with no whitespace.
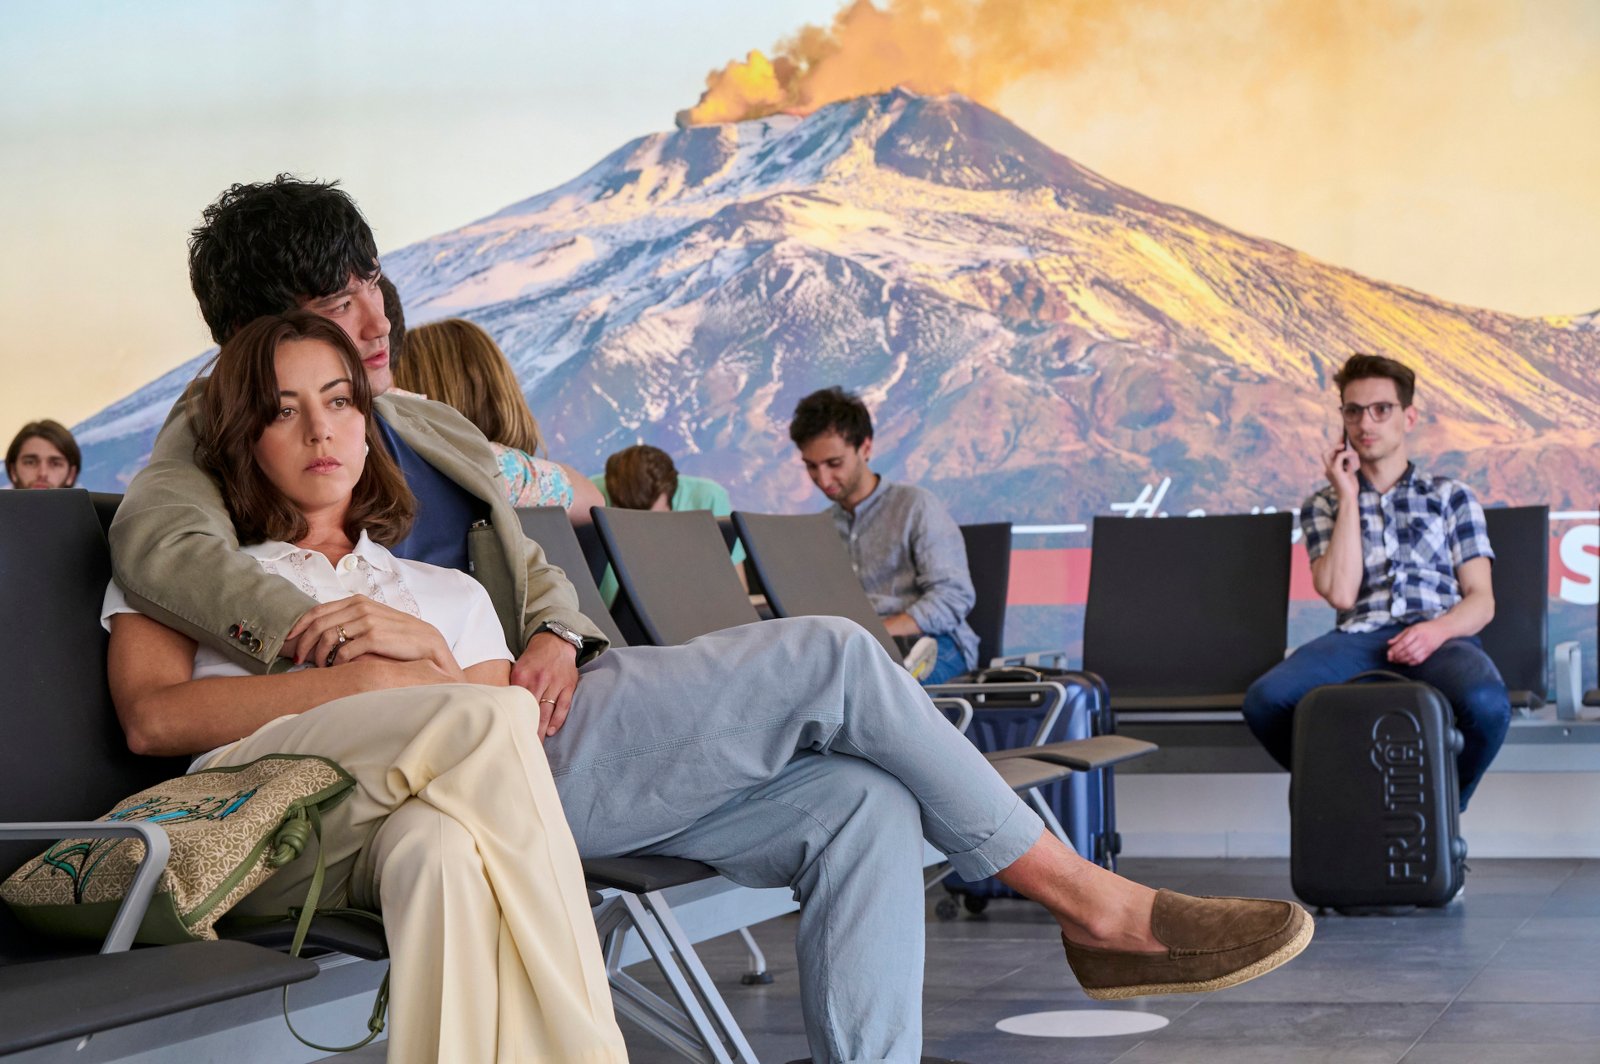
{"x":922,"y":657}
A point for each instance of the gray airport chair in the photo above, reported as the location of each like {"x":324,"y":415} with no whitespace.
{"x":1518,"y":639}
{"x":67,"y":763}
{"x":1185,"y":613}
{"x":698,"y":1024}
{"x":674,"y":570}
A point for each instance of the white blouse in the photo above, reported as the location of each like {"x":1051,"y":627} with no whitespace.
{"x":451,"y":601}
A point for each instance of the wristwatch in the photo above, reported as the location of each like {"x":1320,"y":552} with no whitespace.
{"x":561,"y":631}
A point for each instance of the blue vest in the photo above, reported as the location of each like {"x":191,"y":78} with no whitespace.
{"x":444,"y":509}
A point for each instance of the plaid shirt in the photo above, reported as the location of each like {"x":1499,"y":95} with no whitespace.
{"x":1413,"y":539}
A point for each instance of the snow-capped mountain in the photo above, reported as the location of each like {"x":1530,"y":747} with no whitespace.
{"x":1036,"y":341}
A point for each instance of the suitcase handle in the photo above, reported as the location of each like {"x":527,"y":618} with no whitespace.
{"x":1455,"y":738}
{"x":1386,"y":675}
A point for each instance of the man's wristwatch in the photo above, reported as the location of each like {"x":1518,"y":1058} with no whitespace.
{"x":561,"y":631}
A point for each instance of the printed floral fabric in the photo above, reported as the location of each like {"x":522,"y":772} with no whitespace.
{"x":533,"y":481}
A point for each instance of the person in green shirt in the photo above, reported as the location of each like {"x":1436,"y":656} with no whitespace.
{"x":643,"y":477}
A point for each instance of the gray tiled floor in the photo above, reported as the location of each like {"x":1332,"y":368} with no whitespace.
{"x":1509,"y":974}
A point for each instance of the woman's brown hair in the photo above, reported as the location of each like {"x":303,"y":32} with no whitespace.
{"x":240,"y":398}
{"x":457,"y":363}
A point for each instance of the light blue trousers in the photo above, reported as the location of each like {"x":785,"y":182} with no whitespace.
{"x":794,"y":753}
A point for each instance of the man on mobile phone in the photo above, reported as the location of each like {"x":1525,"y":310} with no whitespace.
{"x":1405,"y":559}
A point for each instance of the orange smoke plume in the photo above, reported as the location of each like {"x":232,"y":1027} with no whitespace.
{"x":974,"y":47}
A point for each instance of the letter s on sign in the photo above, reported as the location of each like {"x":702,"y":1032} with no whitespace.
{"x":1580,"y":556}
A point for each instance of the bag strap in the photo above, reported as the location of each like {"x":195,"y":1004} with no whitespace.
{"x":291,"y":842}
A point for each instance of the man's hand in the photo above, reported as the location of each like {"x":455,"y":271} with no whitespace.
{"x":902,"y":624}
{"x":1417,"y":643}
{"x":548,"y":668}
{"x":1340,"y":465}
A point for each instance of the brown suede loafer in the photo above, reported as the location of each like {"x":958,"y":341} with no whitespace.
{"x":1211,"y":943}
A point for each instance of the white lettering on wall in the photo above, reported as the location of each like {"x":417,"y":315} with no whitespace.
{"x":1580,"y":556}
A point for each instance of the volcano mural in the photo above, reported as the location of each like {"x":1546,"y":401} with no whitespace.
{"x":1038,"y":343}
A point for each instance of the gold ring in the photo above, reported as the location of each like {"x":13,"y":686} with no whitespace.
{"x":542,"y":701}
{"x":343,"y":639}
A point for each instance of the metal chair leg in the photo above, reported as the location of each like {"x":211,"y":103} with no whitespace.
{"x":758,"y":974}
{"x":699,"y":1025}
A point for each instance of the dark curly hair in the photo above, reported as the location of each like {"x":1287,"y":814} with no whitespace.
{"x":831,"y":410}
{"x":261,"y":249}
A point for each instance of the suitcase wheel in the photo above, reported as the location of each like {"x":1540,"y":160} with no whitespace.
{"x":974,"y":904}
{"x":946,"y":909}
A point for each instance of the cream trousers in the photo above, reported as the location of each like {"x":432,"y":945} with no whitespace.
{"x":454,"y":831}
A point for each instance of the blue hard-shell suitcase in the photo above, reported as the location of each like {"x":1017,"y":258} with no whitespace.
{"x":1079,"y":801}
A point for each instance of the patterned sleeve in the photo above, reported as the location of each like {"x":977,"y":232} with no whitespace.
{"x":1469,"y":533}
{"x":1316,"y":524}
{"x":533,"y":481}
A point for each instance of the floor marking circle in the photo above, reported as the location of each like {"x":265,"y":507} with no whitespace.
{"x":1082,"y":1023}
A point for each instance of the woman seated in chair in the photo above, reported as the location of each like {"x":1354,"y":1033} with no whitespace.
{"x":460,"y":365}
{"x":454,"y":830}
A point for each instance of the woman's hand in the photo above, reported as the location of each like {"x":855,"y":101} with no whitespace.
{"x":368,"y":627}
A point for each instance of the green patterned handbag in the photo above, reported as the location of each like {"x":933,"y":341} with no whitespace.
{"x":230,"y":829}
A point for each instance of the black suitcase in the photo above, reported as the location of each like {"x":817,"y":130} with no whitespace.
{"x":1374,"y":801}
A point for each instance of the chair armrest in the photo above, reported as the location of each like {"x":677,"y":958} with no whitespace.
{"x":130,"y":914}
{"x":960,"y":707}
{"x":1226,"y":700}
{"x":1569,"y":681}
{"x":641,"y":875}
{"x":1096,"y":752}
{"x":1023,"y":773}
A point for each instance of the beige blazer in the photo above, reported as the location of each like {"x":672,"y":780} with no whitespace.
{"x":174,"y":552}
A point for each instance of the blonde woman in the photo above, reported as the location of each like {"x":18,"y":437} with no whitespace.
{"x":457,"y":363}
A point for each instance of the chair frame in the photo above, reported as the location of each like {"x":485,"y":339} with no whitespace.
{"x":167,"y":977}
{"x":698,"y":1024}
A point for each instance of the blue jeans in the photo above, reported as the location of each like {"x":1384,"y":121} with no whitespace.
{"x":1460,"y":670}
{"x":794,"y":753}
{"x":950,"y":663}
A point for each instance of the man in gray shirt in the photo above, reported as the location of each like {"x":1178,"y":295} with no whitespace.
{"x":905,"y":546}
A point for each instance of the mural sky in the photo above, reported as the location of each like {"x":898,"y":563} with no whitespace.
{"x":1442,"y":146}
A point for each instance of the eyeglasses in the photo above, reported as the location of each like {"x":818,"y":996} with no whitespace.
{"x":1354,"y":412}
